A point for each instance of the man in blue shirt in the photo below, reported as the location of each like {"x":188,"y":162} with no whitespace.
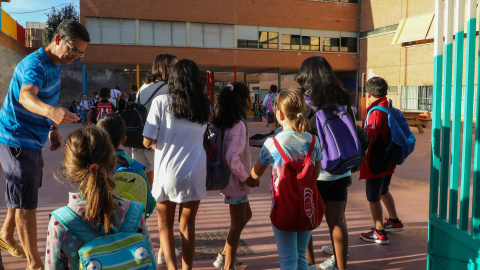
{"x":29,"y":116}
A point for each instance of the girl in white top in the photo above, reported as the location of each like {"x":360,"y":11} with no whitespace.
{"x":175,"y":126}
{"x":161,"y":68}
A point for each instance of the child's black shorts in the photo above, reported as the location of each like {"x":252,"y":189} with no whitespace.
{"x":335,"y":190}
{"x":375,"y":188}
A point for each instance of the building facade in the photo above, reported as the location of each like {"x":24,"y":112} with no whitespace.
{"x":239,"y":37}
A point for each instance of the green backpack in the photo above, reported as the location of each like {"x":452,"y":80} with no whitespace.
{"x":133,"y":186}
{"x":122,"y":250}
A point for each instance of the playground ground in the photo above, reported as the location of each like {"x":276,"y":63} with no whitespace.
{"x":407,"y":249}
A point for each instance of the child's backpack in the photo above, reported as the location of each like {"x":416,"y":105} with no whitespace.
{"x":217,"y":172}
{"x":341,"y":148}
{"x":131,"y":185}
{"x":125,"y":249}
{"x":103,"y":109}
{"x":402,"y":142}
{"x":271,"y":102}
{"x":297,"y":204}
{"x":135,"y":116}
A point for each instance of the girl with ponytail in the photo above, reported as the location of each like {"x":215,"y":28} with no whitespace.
{"x":89,"y":163}
{"x":295,"y":141}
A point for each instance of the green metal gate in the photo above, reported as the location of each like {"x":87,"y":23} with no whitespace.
{"x":454,"y":220}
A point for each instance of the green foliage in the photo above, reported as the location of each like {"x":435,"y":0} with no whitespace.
{"x":55,"y":17}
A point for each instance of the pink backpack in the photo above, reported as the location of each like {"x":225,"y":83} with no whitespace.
{"x":297,"y":204}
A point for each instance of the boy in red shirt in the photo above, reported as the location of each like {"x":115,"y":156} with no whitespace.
{"x":102,"y":107}
{"x":377,"y":169}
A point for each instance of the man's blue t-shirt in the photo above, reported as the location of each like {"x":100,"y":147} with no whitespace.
{"x":18,"y":126}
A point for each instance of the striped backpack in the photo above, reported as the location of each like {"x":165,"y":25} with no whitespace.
{"x":125,"y":249}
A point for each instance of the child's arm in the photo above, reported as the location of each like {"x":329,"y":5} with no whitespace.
{"x":256,"y":173}
{"x":235,"y":142}
{"x":58,"y":260}
{"x":148,"y":142}
{"x":89,"y":116}
{"x":318,"y":168}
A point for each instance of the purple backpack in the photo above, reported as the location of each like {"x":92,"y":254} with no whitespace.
{"x":341,"y":149}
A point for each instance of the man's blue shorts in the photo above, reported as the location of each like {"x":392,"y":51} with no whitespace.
{"x":23,"y":173}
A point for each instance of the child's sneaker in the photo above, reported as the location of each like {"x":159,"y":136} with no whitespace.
{"x":374,"y":237}
{"x":328,"y":264}
{"x":328,"y":249}
{"x":161,"y":258}
{"x":220,"y":262}
{"x":391,"y":226}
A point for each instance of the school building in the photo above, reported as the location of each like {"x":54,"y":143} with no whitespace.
{"x":259,"y":42}
{"x":263,"y":42}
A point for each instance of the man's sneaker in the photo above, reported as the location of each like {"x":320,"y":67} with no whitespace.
{"x":312,"y":267}
{"x":392,"y":226}
{"x":161,"y":258}
{"x":328,"y":249}
{"x":220,"y":262}
{"x":374,"y":237}
{"x":328,"y":264}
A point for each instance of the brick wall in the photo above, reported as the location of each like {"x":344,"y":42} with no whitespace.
{"x":278,"y":13}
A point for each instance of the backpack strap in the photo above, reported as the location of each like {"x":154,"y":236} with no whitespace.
{"x":280,"y":150}
{"x":134,"y":214}
{"x":154,"y":92}
{"x":310,"y":150}
{"x":135,"y":167}
{"x":378,"y":108}
{"x":73,"y":223}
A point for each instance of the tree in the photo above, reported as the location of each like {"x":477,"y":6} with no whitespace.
{"x":55,"y":17}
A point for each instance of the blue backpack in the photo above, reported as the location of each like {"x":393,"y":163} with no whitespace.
{"x":125,"y":249}
{"x":341,"y":149}
{"x":402,"y":142}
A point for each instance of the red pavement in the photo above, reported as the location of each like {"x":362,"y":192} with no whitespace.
{"x":407,"y":250}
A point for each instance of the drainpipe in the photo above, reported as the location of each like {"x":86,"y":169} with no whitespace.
{"x":358,"y":58}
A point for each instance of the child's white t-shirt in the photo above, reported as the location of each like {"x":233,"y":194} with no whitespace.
{"x":295,"y":145}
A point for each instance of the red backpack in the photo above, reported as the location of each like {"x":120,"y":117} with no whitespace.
{"x":297,"y":204}
{"x":103,"y":109}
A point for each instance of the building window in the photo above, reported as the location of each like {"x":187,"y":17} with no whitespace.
{"x":393,"y":89}
{"x":244,"y":43}
{"x":331,"y":44}
{"x":348,"y":44}
{"x":291,"y":42}
{"x":310,"y":43}
{"x":417,"y":97}
{"x":268,"y":40}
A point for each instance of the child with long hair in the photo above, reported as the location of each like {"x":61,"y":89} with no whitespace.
{"x":234,"y":102}
{"x":323,"y":90}
{"x":88,"y":163}
{"x":295,"y":141}
{"x":175,"y":127}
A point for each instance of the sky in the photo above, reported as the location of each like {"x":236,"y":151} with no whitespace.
{"x":33,"y":10}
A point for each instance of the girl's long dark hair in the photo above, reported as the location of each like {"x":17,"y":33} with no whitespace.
{"x":318,"y":81}
{"x":160,"y":69}
{"x":231,"y":105}
{"x":186,"y":90}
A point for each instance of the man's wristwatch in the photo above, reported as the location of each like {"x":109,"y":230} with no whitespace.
{"x":53,"y":128}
